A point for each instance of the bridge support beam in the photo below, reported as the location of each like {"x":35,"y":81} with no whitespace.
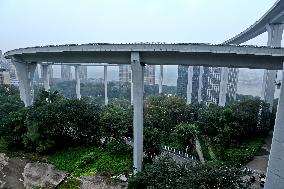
{"x":275,"y":32}
{"x":78,"y":84}
{"x":138,"y":88}
{"x":25,"y":73}
{"x":161,"y":78}
{"x":200,"y":84}
{"x":275,"y":170}
{"x":44,"y":69}
{"x":223,"y":86}
{"x":189,"y":84}
{"x":105,"y":83}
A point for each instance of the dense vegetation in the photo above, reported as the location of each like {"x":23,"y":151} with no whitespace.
{"x":116,"y":90}
{"x":84,"y":137}
{"x":166,"y":173}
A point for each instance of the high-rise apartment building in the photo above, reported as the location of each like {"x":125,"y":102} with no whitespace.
{"x":83,"y":73}
{"x":9,"y":69}
{"x":4,"y":77}
{"x":206,"y":84}
{"x":149,"y":74}
{"x":66,"y":74}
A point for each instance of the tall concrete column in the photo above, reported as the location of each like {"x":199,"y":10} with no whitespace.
{"x":275,"y":32}
{"x":200,"y":84}
{"x":25,"y":73}
{"x":131,"y":86}
{"x":138,"y":88}
{"x":223,"y":86}
{"x":189,"y":84}
{"x":44,"y":69}
{"x":105,"y":82}
{"x":275,"y":170}
{"x":161,"y":78}
{"x":78,"y":84}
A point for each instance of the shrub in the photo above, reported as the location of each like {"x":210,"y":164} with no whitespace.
{"x":55,"y":122}
{"x":13,"y":128}
{"x":119,"y":148}
{"x":234,"y":123}
{"x":166,"y":173}
{"x":239,"y":155}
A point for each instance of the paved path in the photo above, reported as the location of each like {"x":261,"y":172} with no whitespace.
{"x":260,"y":162}
{"x":199,"y":151}
{"x":11,"y":172}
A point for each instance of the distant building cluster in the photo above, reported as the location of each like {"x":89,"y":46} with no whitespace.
{"x":206,"y":84}
{"x":66,"y":74}
{"x":149,"y":74}
{"x":7,"y":71}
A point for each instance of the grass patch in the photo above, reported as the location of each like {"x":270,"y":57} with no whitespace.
{"x":239,"y":155}
{"x":89,"y":160}
{"x":71,"y":183}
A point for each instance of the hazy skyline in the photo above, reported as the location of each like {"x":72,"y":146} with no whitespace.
{"x":39,"y":22}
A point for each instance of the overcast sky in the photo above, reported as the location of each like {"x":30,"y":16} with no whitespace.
{"x":42,"y":22}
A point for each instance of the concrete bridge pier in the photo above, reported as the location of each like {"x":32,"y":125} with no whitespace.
{"x":25,"y":73}
{"x":189,"y":84}
{"x":138,"y":89}
{"x":275,"y":32}
{"x":200,"y":84}
{"x":223,"y":86}
{"x":78,"y":84}
{"x":105,"y":83}
{"x":44,"y":69}
{"x":131,"y":87}
{"x":275,"y":170}
{"x":161,"y":78}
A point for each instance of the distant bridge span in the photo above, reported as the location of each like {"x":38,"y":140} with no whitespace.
{"x":275,"y":15}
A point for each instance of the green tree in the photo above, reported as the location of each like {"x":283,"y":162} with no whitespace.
{"x":116,"y":121}
{"x":185,"y":135}
{"x":151,"y":144}
{"x":55,"y":122}
{"x":9,"y":101}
